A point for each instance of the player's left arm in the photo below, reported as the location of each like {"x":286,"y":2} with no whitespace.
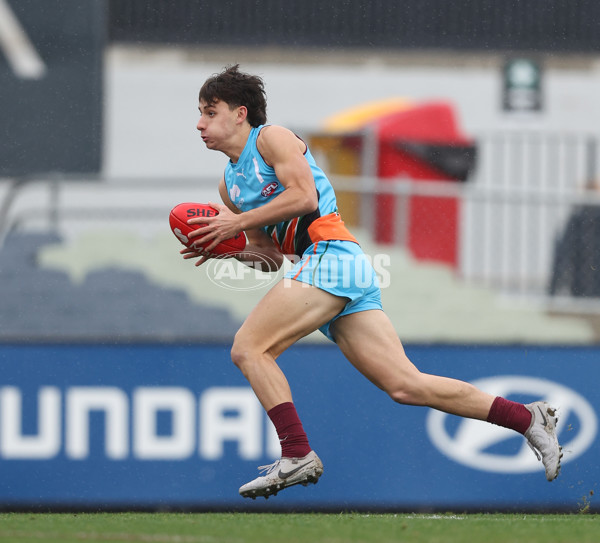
{"x":260,"y":251}
{"x":284,"y":152}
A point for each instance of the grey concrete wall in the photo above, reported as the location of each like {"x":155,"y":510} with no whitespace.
{"x":151,"y":96}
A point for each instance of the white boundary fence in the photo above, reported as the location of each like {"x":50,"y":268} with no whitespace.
{"x":519,"y":201}
{"x":515,"y":207}
{"x":514,"y":211}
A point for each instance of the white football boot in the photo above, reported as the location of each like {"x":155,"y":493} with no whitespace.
{"x":283,"y":473}
{"x":541,"y":437}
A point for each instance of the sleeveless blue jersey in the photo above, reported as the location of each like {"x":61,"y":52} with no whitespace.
{"x":252,"y":183}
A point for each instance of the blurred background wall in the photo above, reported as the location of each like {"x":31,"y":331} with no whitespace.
{"x":520,"y":82}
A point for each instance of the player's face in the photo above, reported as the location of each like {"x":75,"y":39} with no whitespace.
{"x":217,"y":124}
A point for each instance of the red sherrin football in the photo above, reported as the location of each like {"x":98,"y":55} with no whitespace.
{"x":179,"y":217}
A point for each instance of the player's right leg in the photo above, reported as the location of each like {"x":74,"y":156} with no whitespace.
{"x":369,"y":341}
{"x":371,"y":344}
{"x":541,"y":437}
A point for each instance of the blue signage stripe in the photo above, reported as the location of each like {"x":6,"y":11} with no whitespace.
{"x":163,"y":425}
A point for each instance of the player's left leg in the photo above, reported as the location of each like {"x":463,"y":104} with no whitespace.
{"x":370,"y":343}
{"x":289,"y":311}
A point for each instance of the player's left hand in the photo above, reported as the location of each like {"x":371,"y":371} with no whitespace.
{"x":223,"y":226}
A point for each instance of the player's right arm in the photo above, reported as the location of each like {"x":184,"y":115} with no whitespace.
{"x":260,"y":251}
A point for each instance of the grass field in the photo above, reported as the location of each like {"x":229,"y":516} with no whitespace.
{"x":297,"y":528}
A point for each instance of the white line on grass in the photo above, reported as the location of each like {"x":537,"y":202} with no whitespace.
{"x":97,"y":536}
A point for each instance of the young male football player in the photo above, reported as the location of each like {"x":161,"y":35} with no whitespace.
{"x":273,"y":190}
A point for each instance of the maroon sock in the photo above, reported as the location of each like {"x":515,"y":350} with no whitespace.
{"x":509,"y":414}
{"x":294,"y":443}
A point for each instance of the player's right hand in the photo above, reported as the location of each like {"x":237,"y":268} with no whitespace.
{"x":192,"y":252}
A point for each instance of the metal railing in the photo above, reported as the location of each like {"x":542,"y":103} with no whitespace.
{"x":527,"y":217}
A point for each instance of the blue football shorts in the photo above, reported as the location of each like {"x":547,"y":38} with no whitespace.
{"x":341,"y":268}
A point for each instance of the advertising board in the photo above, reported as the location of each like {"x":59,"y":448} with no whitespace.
{"x":165,"y":426}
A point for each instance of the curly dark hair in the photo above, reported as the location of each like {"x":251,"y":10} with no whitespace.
{"x":236,"y":89}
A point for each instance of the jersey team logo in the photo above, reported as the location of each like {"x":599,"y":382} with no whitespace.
{"x":269,"y":189}
{"x":490,"y":448}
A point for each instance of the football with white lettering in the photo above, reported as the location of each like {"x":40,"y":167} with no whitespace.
{"x":178,"y":220}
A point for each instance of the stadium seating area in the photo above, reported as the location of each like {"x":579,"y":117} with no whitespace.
{"x":110,"y":304}
{"x":57,"y":290}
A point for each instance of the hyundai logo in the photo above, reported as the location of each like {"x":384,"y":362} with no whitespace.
{"x":475,"y":443}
